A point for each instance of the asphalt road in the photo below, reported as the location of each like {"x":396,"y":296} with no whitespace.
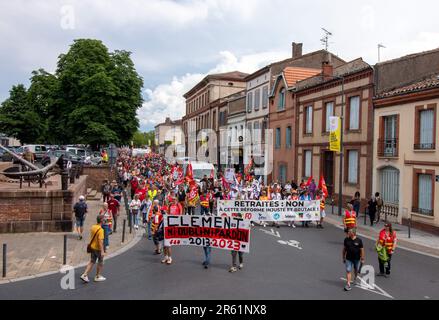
{"x":271,"y":271}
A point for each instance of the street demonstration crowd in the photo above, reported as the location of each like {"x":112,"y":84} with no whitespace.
{"x":158,"y":188}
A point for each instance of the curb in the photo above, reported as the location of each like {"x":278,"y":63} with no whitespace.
{"x":118,"y":252}
{"x":402,"y":244}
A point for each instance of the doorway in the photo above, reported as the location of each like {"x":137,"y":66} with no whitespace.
{"x":328,"y":170}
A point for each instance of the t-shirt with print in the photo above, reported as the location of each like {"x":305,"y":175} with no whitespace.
{"x":99,"y":236}
{"x":353,"y":248}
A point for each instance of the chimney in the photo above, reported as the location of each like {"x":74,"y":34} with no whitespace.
{"x":327,"y":70}
{"x":297,"y":50}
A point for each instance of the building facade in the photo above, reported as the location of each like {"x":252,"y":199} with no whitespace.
{"x":317,"y":99}
{"x":283,"y":121}
{"x":169,"y":133}
{"x":236,"y":132}
{"x":203,"y":103}
{"x":259,"y":85}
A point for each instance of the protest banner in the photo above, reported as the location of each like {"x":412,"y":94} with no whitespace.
{"x":228,"y":233}
{"x":270,"y":210}
{"x":230,"y":175}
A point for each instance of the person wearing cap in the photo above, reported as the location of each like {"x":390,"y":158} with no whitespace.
{"x":80,"y":210}
{"x":387,"y":238}
{"x":353,"y":256}
{"x":97,"y":251}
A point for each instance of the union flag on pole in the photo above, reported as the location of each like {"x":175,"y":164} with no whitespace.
{"x":322,"y":186}
{"x":189,"y":173}
{"x":308,"y":183}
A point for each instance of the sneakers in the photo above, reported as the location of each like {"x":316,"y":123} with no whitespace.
{"x":169,"y":261}
{"x":347,"y":288}
{"x":233,"y":269}
{"x":241,"y":266}
{"x":99,"y":278}
{"x":79,"y":237}
{"x":136,"y":227}
{"x":84,"y":278}
{"x":206,"y":266}
{"x":165,"y":259}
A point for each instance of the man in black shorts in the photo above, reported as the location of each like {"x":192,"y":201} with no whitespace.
{"x":353,"y":256}
{"x":80,"y":210}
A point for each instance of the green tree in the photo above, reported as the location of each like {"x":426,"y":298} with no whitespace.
{"x":140,"y":139}
{"x":18,"y":120}
{"x":92,"y":98}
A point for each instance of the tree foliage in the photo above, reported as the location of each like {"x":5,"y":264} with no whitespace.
{"x":92,"y":98}
{"x":141,"y":139}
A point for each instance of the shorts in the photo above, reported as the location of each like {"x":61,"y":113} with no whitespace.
{"x":96,"y":255}
{"x":352,"y":264}
{"x":79,"y":222}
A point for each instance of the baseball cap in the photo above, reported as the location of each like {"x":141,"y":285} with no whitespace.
{"x":81,"y":198}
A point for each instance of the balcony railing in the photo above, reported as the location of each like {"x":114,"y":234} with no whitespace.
{"x":425,"y":146}
{"x":388,"y":147}
{"x":426,"y":212}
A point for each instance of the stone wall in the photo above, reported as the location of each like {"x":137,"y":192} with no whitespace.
{"x":97,"y":174}
{"x":39,"y":210}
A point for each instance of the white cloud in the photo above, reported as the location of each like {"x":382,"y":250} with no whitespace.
{"x":166,"y":100}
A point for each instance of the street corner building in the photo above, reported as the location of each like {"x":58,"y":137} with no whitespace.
{"x":406,"y":160}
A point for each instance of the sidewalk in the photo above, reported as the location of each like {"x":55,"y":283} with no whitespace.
{"x":30,"y":254}
{"x":418,"y":241}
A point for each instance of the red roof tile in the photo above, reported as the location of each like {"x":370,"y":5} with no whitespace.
{"x":429,"y":83}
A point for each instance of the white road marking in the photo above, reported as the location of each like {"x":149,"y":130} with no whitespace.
{"x":271,"y":233}
{"x":291,"y":243}
{"x":374,"y":289}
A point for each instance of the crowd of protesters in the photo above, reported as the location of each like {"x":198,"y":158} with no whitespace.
{"x":158,"y":188}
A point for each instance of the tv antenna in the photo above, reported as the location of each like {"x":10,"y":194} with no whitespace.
{"x":325,"y":39}
{"x":379,"y":51}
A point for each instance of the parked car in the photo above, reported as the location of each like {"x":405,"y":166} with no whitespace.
{"x":38,"y":150}
{"x":93,"y":158}
{"x":68,"y":156}
{"x":80,"y":152}
{"x":7,"y":157}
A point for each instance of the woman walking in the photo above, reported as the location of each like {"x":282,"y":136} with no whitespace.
{"x":134,"y":208}
{"x":107,"y":221}
{"x":388,"y":240}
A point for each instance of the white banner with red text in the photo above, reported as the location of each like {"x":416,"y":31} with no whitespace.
{"x":270,"y":210}
{"x":228,"y":233}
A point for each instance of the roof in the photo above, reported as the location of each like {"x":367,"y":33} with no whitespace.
{"x":344,"y":70}
{"x":286,"y":61}
{"x":429,"y":83}
{"x":231,"y":76}
{"x":291,"y":75}
{"x":169,"y":122}
{"x":409,"y":56}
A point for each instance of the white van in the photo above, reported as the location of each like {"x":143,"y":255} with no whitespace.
{"x":199,"y":168}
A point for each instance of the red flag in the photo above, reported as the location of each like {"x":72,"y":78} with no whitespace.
{"x":189,"y":173}
{"x":226,"y":185}
{"x":193,"y":193}
{"x":322,"y":186}
{"x":308,"y":182}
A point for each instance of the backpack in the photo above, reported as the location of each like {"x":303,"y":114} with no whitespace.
{"x":380,"y":202}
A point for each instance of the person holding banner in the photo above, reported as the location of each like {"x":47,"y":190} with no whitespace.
{"x":307,"y":197}
{"x":157,"y":221}
{"x":321,"y":197}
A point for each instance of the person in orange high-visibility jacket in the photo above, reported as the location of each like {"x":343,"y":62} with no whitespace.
{"x":350,"y":218}
{"x":387,"y":238}
{"x":204,"y":202}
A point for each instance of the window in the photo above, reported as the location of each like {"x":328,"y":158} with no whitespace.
{"x":426,"y":129}
{"x":257,"y":99}
{"x":288,"y":137}
{"x":249,"y":133}
{"x":308,"y":120}
{"x":388,"y":143}
{"x":265,"y":97}
{"x":329,"y":112}
{"x":256,"y":132}
{"x":282,"y":173}
{"x":249,"y":101}
{"x":281,"y":102}
{"x":354,"y":113}
{"x":278,"y":132}
{"x":308,"y":163}
{"x":389,"y":185}
{"x":353,"y":166}
{"x":425,"y":194}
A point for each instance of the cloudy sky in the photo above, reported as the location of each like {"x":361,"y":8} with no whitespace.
{"x":175,"y":43}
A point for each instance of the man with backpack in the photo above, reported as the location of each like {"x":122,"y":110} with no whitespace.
{"x":80,"y":210}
